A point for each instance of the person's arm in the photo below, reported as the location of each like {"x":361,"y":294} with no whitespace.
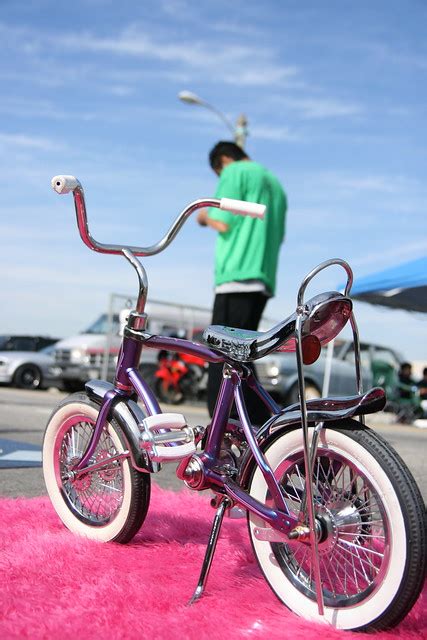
{"x":422,"y":386}
{"x":228,"y":187}
{"x":205,"y":221}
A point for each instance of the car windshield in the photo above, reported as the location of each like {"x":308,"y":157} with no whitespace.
{"x":17,"y":343}
{"x":102,"y":325}
{"x":48,"y":350}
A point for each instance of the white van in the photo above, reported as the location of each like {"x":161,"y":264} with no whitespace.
{"x":92,"y":354}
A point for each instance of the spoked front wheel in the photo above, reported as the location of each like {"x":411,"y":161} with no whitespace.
{"x":372,"y":547}
{"x":108,"y":503}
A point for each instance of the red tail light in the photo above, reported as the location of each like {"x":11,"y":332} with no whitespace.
{"x":311,"y":349}
{"x":325,"y":323}
{"x":329,"y":320}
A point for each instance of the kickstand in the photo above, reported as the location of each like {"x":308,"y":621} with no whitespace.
{"x":210,"y":550}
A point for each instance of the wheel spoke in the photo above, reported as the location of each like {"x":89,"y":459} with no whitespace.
{"x":96,"y":495}
{"x":349,"y":561}
{"x":352,"y":546}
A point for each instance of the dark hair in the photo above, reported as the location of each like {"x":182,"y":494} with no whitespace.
{"x":405,"y":365}
{"x":224,"y":148}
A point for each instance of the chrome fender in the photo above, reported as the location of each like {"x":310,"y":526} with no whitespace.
{"x":338,"y":411}
{"x":129,"y":415}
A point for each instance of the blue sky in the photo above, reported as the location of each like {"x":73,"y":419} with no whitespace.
{"x":335,"y":94}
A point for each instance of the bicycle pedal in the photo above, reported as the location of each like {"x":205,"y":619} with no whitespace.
{"x":166,"y":437}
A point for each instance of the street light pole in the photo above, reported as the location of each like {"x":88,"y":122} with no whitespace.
{"x":240,"y":131}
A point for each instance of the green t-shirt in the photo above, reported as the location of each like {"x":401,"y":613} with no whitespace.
{"x":249,"y":249}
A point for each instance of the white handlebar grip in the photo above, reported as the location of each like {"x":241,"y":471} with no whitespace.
{"x":243,"y":208}
{"x":64,"y":184}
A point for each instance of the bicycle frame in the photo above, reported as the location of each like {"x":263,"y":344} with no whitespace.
{"x":128,"y":382}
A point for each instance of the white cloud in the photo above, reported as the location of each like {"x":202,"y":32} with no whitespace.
{"x":30,"y":142}
{"x":247,"y":63}
{"x":176,"y":8}
{"x":241,"y":29}
{"x":332,"y":182}
{"x":392,"y":55}
{"x":319,"y":108}
{"x":244,"y":65}
{"x":121,"y":91}
{"x":20,"y":108}
{"x":367,"y":183}
{"x":274,"y":133}
{"x":235,"y":63}
{"x":263,"y":76}
{"x":396,"y":253}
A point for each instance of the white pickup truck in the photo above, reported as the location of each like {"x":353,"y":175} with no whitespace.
{"x":83,"y":356}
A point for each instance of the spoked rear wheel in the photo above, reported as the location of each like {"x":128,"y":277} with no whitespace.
{"x":372,"y":549}
{"x":108,"y":503}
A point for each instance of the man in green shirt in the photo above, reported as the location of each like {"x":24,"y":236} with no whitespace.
{"x":247,"y":249}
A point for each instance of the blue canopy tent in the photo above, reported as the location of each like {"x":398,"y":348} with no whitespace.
{"x":401,"y":287}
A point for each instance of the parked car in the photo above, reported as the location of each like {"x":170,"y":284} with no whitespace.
{"x":26,"y":362}
{"x":25,"y":342}
{"x":278,"y":372}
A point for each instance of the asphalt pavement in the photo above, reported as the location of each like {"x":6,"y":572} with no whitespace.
{"x":23,"y":417}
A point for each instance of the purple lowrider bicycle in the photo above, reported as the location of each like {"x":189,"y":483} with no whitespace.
{"x":336,"y":520}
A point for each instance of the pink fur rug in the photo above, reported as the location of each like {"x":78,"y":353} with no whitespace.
{"x":56,"y":585}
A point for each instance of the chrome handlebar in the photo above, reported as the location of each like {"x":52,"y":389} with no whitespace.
{"x":65,"y":184}
{"x":68,"y":183}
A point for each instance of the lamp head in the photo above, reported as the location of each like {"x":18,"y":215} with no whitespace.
{"x":189,"y":97}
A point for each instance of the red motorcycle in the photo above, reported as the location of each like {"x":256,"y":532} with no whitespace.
{"x":180,"y":377}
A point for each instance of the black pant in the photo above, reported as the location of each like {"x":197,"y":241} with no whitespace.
{"x":242,"y":311}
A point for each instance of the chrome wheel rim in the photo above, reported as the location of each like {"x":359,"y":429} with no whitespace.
{"x":354,"y":545}
{"x":97,"y":496}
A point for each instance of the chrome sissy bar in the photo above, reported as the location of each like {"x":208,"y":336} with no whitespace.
{"x":310,"y":450}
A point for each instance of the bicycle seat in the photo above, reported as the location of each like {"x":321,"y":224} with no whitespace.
{"x":325,"y":316}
